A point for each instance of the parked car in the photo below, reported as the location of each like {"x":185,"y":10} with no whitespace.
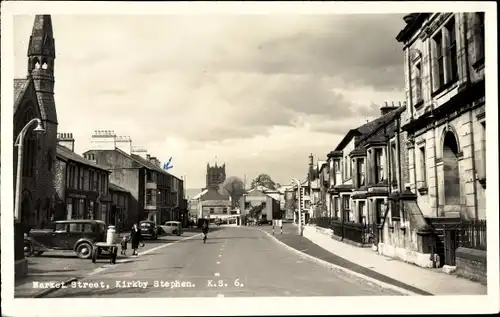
{"x":173,"y":227}
{"x":66,"y":235}
{"x":148,"y":229}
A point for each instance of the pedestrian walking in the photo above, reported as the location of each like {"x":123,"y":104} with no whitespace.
{"x":136,"y":238}
{"x":124,"y":243}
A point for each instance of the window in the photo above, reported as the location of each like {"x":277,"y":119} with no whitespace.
{"x":379,"y":210}
{"x":482,"y":165}
{"x":61,"y":227}
{"x":336,"y":166}
{"x":438,"y":60}
{"x":150,"y":197}
{"x":264,"y":205}
{"x":361,"y":216}
{"x":247,"y":205}
{"x":336,"y":206}
{"x":361,"y":172}
{"x":87,"y":227}
{"x":212,"y":210}
{"x":149,"y":176}
{"x":75,"y":227}
{"x":451,"y":52}
{"x":423,"y":167}
{"x":224,"y":210}
{"x":82,"y":178}
{"x":346,"y":202}
{"x":479,"y":36}
{"x":418,"y":82}
{"x":445,"y":61}
{"x":394,"y":163}
{"x":379,"y":166}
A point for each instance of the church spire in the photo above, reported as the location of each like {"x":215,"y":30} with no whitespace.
{"x":41,"y":56}
{"x":42,"y":38}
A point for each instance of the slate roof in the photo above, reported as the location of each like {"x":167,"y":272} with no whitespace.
{"x":20,"y":87}
{"x":369,"y":128}
{"x":213,"y":194}
{"x":68,"y":155}
{"x":116,"y":188}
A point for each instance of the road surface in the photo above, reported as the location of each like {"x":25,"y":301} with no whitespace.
{"x":235,"y":261}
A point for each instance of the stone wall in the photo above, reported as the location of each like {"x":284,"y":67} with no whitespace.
{"x":471,"y":264}
{"x":60,"y":181}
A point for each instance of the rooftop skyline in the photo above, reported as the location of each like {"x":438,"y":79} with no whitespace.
{"x":241,"y":88}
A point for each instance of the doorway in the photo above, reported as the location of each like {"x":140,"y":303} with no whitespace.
{"x":451,"y":172}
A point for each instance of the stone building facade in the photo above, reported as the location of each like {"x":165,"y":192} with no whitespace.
{"x":120,"y":207}
{"x":81,"y":186}
{"x":155,"y":194}
{"x":34,"y":98}
{"x":446,"y":127}
{"x":442,"y":137}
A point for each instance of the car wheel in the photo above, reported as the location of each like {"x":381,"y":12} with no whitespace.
{"x":28,"y":249}
{"x":38,"y":253}
{"x":84,"y":250}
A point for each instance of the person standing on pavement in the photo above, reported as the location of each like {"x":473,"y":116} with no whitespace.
{"x":136,"y":238}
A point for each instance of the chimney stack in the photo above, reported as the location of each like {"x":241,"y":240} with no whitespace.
{"x":386,"y":109}
{"x":66,"y":140}
{"x":124,"y":143}
{"x":140,"y":151}
{"x":103,"y":140}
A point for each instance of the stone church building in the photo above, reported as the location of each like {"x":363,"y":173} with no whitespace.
{"x":34,"y":98}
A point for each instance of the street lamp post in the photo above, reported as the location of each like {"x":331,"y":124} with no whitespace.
{"x":299,"y":196}
{"x":19,"y":143}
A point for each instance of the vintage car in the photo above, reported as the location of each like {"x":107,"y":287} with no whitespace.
{"x":148,"y":229}
{"x":66,"y":235}
{"x":173,"y":228}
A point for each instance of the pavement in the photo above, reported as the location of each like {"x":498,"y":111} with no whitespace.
{"x":61,"y":266}
{"x":235,"y":261}
{"x":365,"y":262}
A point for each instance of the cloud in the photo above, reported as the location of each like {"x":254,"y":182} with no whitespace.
{"x":261,"y":92}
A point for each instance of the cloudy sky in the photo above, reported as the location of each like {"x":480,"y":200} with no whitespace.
{"x":260,"y":93}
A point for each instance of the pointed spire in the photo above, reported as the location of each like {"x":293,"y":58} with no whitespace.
{"x":42,"y":37}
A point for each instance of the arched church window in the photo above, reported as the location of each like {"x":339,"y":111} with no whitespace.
{"x":30,"y":147}
{"x":37,"y":65}
{"x":45,"y":65}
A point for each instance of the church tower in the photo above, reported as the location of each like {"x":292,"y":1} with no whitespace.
{"x":41,"y":56}
{"x":216,"y":175}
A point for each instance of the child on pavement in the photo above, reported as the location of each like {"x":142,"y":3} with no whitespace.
{"x":124,"y":242}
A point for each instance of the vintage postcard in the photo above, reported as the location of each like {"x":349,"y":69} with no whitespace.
{"x":244,"y":158}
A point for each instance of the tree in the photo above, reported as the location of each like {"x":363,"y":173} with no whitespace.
{"x":264,"y":180}
{"x":234,"y":188}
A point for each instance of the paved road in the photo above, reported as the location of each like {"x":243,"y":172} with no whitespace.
{"x":235,"y":261}
{"x":56,"y":266}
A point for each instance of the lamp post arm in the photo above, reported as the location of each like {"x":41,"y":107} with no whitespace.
{"x":22,"y":133}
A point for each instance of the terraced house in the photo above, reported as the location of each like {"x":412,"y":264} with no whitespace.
{"x":411,"y":184}
{"x":81,"y":185}
{"x":155,"y":194}
{"x":445,"y":128}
